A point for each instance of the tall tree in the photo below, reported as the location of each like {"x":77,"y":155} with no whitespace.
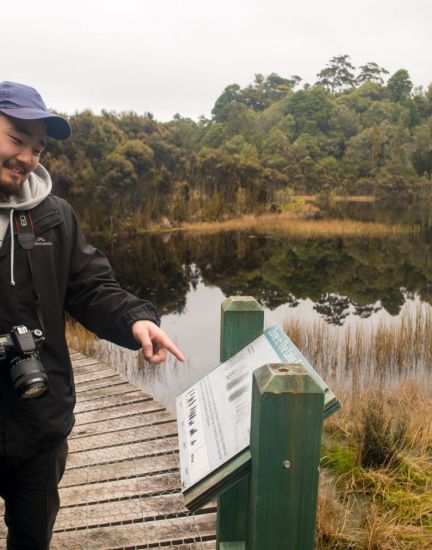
{"x":337,"y":75}
{"x":399,"y":85}
{"x":229,"y":96}
{"x":371,"y":72}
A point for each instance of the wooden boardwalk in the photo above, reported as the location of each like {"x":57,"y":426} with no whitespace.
{"x":121,"y":488}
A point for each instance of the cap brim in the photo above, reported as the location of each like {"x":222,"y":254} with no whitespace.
{"x":57,"y":126}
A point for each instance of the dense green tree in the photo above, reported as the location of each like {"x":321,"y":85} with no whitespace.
{"x":231,"y":95}
{"x":399,"y":85}
{"x":311,"y":110}
{"x":422,"y":157}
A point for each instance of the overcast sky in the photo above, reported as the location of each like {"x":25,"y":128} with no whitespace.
{"x":169,"y":56}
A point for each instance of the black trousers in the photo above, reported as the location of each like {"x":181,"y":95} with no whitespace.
{"x":30,"y":492}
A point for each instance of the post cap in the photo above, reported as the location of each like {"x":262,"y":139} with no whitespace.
{"x":241,"y":303}
{"x":285,"y":378}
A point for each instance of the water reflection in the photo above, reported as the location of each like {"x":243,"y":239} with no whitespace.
{"x":417,"y":214}
{"x":343,"y":277}
{"x":344,"y":282}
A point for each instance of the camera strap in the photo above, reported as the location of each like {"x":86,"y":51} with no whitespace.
{"x":25,"y":229}
{"x":27,"y":240}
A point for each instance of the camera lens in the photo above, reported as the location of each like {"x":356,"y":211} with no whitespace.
{"x":28,"y":377}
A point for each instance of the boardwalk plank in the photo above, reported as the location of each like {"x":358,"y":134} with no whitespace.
{"x":119,"y":437}
{"x":87,"y":377}
{"x":207,"y":545}
{"x":85,"y":361}
{"x":118,"y":412}
{"x":120,"y":470}
{"x":135,"y":509}
{"x":108,"y":381}
{"x":137,"y":534}
{"x":121,"y":423}
{"x":122,"y":452}
{"x":92,"y":367}
{"x":133,"y":396}
{"x":76,"y":355}
{"x":120,"y":489}
{"x":107,"y":391}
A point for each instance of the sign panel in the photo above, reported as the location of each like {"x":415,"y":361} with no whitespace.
{"x":213,"y":415}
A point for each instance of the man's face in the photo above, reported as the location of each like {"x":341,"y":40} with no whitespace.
{"x":21,"y":143}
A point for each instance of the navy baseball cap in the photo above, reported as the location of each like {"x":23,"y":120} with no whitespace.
{"x":24,"y":102}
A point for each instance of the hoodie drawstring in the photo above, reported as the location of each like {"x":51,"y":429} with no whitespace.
{"x":12,"y":245}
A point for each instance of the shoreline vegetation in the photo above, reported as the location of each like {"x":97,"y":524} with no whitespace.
{"x":376,"y":461}
{"x":301,"y":217}
{"x":291,"y":224}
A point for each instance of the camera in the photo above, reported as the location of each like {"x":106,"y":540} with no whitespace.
{"x":19,"y":349}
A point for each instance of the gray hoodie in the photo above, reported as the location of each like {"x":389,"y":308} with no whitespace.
{"x":33,"y":191}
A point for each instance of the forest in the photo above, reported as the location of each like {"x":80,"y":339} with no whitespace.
{"x":355,"y":131}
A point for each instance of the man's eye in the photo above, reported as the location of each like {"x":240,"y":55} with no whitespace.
{"x":16,"y":140}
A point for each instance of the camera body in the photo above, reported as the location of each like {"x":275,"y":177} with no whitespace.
{"x":19,"y":349}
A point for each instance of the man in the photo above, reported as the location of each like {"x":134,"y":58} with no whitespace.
{"x":46,"y":268}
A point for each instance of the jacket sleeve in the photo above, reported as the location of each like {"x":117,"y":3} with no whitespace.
{"x":95,"y":298}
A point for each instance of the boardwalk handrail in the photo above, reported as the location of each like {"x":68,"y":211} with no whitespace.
{"x":274,"y":507}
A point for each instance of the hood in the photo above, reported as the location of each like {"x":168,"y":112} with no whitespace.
{"x":33,"y":191}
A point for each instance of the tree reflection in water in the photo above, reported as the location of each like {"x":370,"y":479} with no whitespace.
{"x":329,"y":287}
{"x":342,"y":276}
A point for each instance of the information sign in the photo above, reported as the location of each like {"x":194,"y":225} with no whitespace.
{"x":213,"y":415}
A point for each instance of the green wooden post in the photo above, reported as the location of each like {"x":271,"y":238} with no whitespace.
{"x":242,"y":320}
{"x":286,"y":426}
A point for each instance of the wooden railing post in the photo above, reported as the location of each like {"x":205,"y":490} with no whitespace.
{"x":286,"y":427}
{"x":242,"y":320}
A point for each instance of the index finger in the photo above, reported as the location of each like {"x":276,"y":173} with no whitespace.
{"x":167,"y":344}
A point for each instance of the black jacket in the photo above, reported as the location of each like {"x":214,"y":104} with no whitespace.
{"x":66,"y":274}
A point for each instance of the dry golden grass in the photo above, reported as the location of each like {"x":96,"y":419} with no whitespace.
{"x":338,"y":198}
{"x":387,"y":506}
{"x":80,"y":339}
{"x":289,"y":223}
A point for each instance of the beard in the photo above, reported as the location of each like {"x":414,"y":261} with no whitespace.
{"x":11,"y":182}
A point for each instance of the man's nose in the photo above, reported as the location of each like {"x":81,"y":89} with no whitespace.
{"x":25,"y":156}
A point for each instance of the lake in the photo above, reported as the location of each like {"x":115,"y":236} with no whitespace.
{"x":342,"y":282}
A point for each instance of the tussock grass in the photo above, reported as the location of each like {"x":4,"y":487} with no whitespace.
{"x":291,"y":223}
{"x":377,"y":470}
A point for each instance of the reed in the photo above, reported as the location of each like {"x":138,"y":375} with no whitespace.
{"x":376,"y":352}
{"x":80,"y":339}
{"x":130,"y":364}
{"x":292,"y":223}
